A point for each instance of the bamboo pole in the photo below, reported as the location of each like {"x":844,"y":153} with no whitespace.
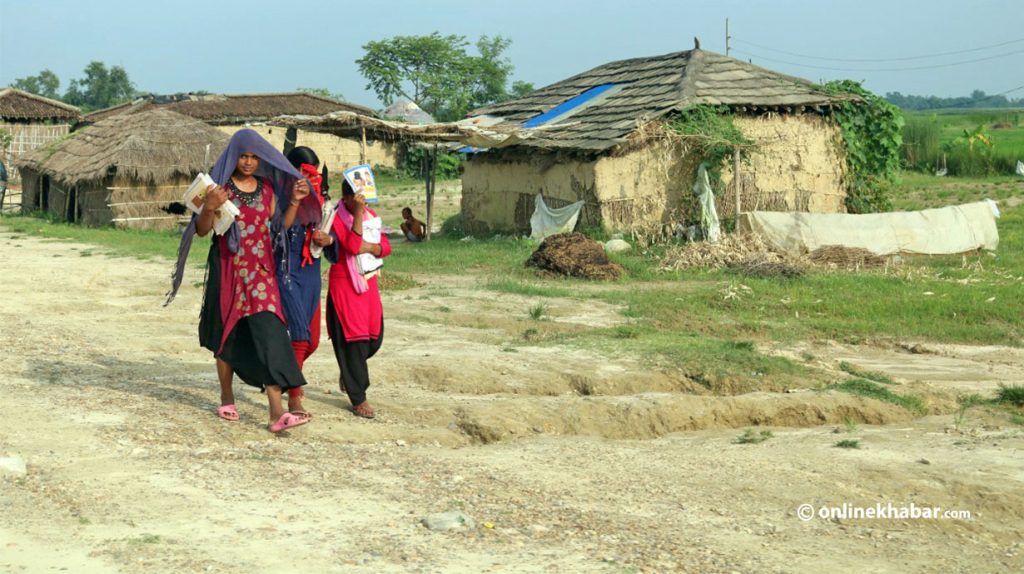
{"x":362,"y":147}
{"x":737,"y":182}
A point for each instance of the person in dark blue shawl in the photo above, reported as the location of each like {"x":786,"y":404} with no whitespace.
{"x":299,"y":278}
{"x":242,"y":320}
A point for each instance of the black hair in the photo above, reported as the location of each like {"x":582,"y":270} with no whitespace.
{"x":346,"y":189}
{"x":358,"y":175}
{"x":301,"y":155}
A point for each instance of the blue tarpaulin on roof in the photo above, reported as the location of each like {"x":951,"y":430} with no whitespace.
{"x":567,"y":106}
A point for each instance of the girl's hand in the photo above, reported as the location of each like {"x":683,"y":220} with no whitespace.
{"x":215,"y":197}
{"x":359,"y":202}
{"x":372,"y":248}
{"x":300,"y":191}
{"x":322,"y":239}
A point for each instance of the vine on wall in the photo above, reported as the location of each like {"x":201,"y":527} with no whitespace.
{"x":710,"y":131}
{"x":872,"y":131}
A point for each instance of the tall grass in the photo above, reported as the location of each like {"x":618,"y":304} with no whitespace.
{"x":921,"y":142}
{"x":963,"y":161}
{"x":937,"y":139}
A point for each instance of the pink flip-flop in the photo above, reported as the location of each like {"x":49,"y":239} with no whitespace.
{"x":287,"y":421}
{"x":228,"y":412}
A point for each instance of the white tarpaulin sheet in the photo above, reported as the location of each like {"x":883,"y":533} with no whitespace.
{"x":947,"y":230}
{"x":546,"y":221}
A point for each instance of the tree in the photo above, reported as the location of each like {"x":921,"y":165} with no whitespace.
{"x":977,"y":99}
{"x":45,"y":84}
{"x":520,"y":89}
{"x":437,"y":73}
{"x":491,"y":69}
{"x":100,"y":88}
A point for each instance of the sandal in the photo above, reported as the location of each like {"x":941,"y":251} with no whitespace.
{"x":287,"y":421}
{"x":228,"y":412}
{"x":363,"y":410}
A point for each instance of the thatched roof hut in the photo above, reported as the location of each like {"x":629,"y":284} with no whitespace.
{"x":20,"y":106}
{"x":32,"y":121}
{"x":234,"y":109}
{"x":121,"y":170}
{"x":599,"y":137}
{"x":624,"y":94}
{"x":230,"y":113}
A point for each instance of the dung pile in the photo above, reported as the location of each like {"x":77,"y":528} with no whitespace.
{"x":574,"y":255}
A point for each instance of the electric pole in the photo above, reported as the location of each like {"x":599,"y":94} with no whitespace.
{"x":727,"y":36}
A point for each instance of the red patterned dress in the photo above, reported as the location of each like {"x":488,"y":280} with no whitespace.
{"x":250,"y":271}
{"x":242,"y":319}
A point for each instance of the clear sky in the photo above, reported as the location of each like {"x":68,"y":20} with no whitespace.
{"x":247,"y":46}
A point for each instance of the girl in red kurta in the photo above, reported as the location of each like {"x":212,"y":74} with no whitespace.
{"x":242,"y":319}
{"x":355,"y":317}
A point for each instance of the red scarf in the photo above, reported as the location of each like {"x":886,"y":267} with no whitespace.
{"x":309,"y":172}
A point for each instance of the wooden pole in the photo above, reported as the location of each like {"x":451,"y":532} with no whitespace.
{"x":362,"y":147}
{"x":737,"y":182}
{"x":431,"y":187}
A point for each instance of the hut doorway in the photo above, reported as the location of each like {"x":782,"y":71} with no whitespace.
{"x":43,"y":199}
{"x":71,"y":206}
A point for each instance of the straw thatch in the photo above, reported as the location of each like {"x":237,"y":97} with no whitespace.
{"x":18,"y":105}
{"x":226,"y":109}
{"x":475,"y":132}
{"x":653,"y":87}
{"x":152,"y":146}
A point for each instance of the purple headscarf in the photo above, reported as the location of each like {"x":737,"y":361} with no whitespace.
{"x":282,"y":176}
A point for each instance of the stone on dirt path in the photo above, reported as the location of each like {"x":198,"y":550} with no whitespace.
{"x":12,"y":465}
{"x":453,"y":520}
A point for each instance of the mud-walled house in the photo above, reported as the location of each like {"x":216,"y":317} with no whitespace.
{"x":602,"y":136}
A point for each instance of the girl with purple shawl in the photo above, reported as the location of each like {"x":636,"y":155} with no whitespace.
{"x":242,"y":320}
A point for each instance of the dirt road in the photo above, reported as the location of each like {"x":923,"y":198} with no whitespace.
{"x":564,"y":460}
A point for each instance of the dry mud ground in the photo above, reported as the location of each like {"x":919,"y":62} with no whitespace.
{"x":566,"y":461}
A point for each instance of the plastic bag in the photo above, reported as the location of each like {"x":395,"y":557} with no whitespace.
{"x":710,"y":226}
{"x":546,"y":221}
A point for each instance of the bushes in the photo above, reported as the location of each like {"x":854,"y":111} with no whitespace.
{"x":413,"y":161}
{"x":967,"y":145}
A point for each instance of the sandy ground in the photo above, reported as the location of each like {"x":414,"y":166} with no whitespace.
{"x":566,"y":461}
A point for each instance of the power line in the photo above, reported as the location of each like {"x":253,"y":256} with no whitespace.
{"x":947,"y":65}
{"x":924,"y":57}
